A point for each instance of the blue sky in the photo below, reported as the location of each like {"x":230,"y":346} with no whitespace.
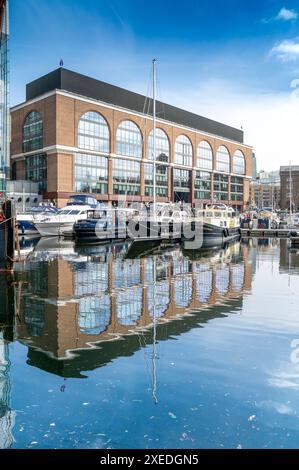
{"x":230,"y":60}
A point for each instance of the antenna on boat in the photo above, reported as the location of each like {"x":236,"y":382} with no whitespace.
{"x":290,"y":190}
{"x":154,"y":132}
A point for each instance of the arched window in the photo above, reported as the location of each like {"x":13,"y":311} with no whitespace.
{"x":204,"y":156}
{"x":239,"y":163}
{"x":128,"y":140}
{"x":223,"y":159}
{"x":33,"y":132}
{"x":93,"y":132}
{"x":183,"y":151}
{"x":162,"y":146}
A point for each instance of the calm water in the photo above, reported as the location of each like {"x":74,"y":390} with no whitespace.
{"x":101,"y":351}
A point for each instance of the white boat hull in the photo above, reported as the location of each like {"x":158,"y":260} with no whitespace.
{"x":54,"y":229}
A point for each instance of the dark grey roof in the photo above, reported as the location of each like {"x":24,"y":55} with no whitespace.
{"x":74,"y":82}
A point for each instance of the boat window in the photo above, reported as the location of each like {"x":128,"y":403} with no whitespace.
{"x":77,"y":212}
{"x":209,"y":214}
{"x":218,"y":214}
{"x":64,"y":212}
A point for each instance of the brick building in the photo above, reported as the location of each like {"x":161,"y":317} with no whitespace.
{"x":289,"y":185}
{"x":77,"y":134}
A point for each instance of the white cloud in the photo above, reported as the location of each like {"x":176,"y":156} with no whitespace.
{"x":284,"y":14}
{"x":269,"y":120}
{"x":287,"y":15}
{"x":287,"y":50}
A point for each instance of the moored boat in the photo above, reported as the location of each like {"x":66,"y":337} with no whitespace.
{"x":62,"y":223}
{"x":26,"y":221}
{"x":219,"y":224}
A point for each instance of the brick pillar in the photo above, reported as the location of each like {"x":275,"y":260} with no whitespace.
{"x":142,"y":185}
{"x":110,"y":179}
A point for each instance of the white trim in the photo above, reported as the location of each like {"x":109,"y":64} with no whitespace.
{"x":132,"y":113}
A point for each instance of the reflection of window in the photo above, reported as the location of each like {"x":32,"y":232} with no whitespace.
{"x":94,"y":314}
{"x":126,"y":177}
{"x":238,"y":276}
{"x":126,"y":273}
{"x":204,"y":156}
{"x":91,"y":173}
{"x":204,"y":284}
{"x":128,"y":140}
{"x":222,"y":159}
{"x":222,"y":279}
{"x":183,"y":291}
{"x":33,"y":132}
{"x":129,"y":306}
{"x":158,"y":298}
{"x":183,"y":151}
{"x":181,"y":266}
{"x":92,"y":279}
{"x":34,"y":316}
{"x":239,"y":163}
{"x":93,"y":132}
{"x":162,"y":146}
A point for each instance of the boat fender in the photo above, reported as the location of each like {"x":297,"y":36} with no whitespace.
{"x":224,"y":232}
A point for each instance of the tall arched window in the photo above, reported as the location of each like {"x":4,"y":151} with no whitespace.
{"x":204,"y":156}
{"x":162,"y":146}
{"x":183,"y":151}
{"x":239,"y":163}
{"x":128,"y":140}
{"x":33,"y":132}
{"x":222,"y":159}
{"x":93,"y":132}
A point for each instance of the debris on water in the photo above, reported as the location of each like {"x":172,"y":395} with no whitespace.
{"x":172,"y":415}
{"x":252,"y":418}
{"x":239,"y":446}
{"x":184,"y":436}
{"x":52,"y":424}
{"x":85,"y":403}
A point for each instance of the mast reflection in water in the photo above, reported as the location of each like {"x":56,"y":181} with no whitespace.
{"x":85,"y":300}
{"x":173,"y":351}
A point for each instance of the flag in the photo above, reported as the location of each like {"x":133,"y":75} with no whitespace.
{"x":61,"y":63}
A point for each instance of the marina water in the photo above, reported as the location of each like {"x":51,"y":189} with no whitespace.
{"x":170,"y":350}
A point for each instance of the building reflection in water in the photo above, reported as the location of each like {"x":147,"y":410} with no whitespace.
{"x":7,"y":415}
{"x":89,"y":299}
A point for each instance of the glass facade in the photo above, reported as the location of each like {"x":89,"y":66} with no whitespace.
{"x":36,"y":169}
{"x":4,"y":96}
{"x":239,"y":163}
{"x":126,"y":177}
{"x":162,"y":146}
{"x":221,"y":187}
{"x":222,"y":159}
{"x":181,"y":179}
{"x":32,"y":132}
{"x":161,"y":180}
{"x":236,"y":188}
{"x":91,"y":174}
{"x":183,"y":151}
{"x":93,"y":133}
{"x":204,"y":156}
{"x":128,"y":140}
{"x":202,"y":185}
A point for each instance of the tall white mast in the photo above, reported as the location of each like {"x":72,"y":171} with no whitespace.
{"x":154,"y":131}
{"x":290,"y":189}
